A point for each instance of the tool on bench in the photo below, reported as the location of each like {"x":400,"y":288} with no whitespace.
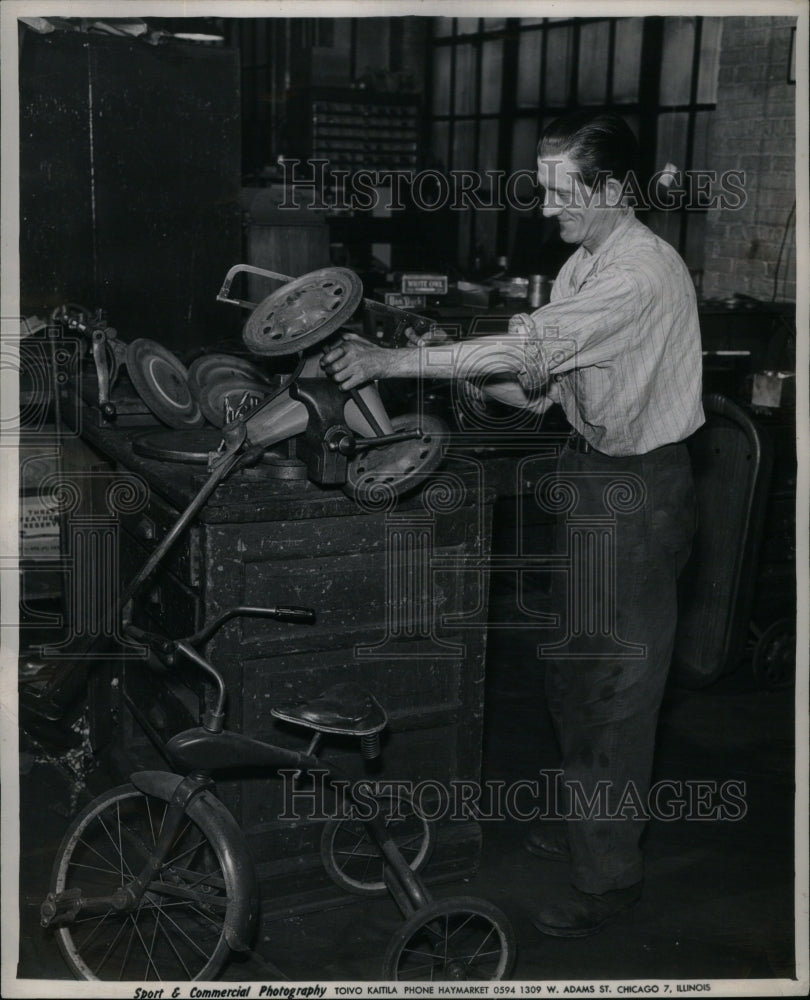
{"x":109,"y":353}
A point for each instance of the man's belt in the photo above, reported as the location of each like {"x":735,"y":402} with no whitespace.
{"x":576,"y":442}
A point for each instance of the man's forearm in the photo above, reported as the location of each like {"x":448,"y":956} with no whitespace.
{"x":353,"y":361}
{"x":485,"y":356}
{"x":512,"y":393}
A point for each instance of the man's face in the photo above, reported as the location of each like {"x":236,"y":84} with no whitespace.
{"x":581,"y":212}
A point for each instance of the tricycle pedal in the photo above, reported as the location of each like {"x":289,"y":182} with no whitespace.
{"x":61,"y":907}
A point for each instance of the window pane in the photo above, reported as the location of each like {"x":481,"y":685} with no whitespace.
{"x":695,"y":240}
{"x":671,"y":147}
{"x":491,"y":73}
{"x":464,"y":146}
{"x":676,"y":62}
{"x":531,"y":20}
{"x":486,"y":233}
{"x":467,"y":25}
{"x":700,"y":147}
{"x":487,"y":148}
{"x":494,"y":23}
{"x":524,"y":145}
{"x":634,"y":122}
{"x":442,"y":26}
{"x":558,"y":65}
{"x":524,"y":160}
{"x":465,"y":80}
{"x":439,"y":151}
{"x":594,"y":48}
{"x":709,"y":58}
{"x":530,"y":57}
{"x":627,"y":60}
{"x":441,"y":80}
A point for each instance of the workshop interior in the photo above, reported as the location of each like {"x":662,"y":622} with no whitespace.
{"x":230,"y":564}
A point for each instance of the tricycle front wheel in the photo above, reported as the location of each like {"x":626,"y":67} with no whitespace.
{"x":176,"y":931}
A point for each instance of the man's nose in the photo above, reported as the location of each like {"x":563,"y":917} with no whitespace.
{"x":550,"y":208}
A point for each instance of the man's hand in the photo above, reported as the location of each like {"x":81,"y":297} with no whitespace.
{"x":353,"y":361}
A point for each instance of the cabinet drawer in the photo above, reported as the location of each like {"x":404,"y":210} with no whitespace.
{"x":168,"y":604}
{"x":150,"y":526}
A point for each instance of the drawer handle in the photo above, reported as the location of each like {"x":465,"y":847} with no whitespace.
{"x":145,"y":529}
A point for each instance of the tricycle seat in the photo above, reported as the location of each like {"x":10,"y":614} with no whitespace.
{"x":344,"y":708}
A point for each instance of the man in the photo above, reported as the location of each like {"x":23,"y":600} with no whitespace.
{"x":618,"y":347}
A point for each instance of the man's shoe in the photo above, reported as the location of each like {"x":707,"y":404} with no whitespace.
{"x":548,"y":840}
{"x":578,"y":914}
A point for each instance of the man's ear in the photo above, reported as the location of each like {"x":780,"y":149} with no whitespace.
{"x":614,"y":190}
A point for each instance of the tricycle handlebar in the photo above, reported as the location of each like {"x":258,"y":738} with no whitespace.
{"x":293,"y":613}
{"x":166,"y":648}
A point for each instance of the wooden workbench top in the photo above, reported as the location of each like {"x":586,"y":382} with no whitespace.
{"x":249,"y":494}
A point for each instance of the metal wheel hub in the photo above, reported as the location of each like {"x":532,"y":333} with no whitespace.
{"x":397,"y":468}
{"x":303,"y":312}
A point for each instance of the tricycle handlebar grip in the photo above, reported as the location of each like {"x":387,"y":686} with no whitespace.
{"x":295,"y":614}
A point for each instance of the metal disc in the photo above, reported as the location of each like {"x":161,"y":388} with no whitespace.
{"x":190,"y":445}
{"x":231,"y":392}
{"x":161,"y":380}
{"x":303,"y":312}
{"x":210,"y":368}
{"x":396,"y":468}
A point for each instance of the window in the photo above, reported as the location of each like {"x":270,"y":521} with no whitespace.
{"x":497,"y":82}
{"x":468,"y":94}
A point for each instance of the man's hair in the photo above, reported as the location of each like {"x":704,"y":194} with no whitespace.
{"x":600,"y":143}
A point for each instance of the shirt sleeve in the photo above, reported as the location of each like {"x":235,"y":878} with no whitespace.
{"x":590,"y":328}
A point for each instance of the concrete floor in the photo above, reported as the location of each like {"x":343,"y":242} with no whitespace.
{"x":718,"y":897}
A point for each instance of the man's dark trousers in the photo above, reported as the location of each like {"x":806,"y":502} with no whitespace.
{"x":630,"y":529}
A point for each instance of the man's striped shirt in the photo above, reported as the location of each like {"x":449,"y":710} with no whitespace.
{"x":618,"y":346}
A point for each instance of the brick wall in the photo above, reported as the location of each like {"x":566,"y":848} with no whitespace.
{"x":754,"y":130}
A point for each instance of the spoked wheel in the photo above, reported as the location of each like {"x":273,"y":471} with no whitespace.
{"x":351,"y":857}
{"x":176,"y":931}
{"x":461,"y":938}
